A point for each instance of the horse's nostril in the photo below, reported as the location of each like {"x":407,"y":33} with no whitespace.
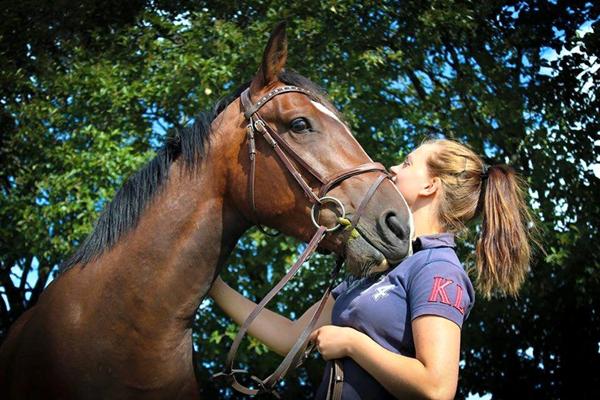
{"x":395,"y":225}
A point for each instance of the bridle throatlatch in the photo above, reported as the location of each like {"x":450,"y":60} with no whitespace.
{"x":257,"y":126}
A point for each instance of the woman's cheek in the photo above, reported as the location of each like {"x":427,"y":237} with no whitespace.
{"x":404,"y":188}
{"x":410,"y":197}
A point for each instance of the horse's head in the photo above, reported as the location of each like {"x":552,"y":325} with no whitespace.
{"x":288,"y":115}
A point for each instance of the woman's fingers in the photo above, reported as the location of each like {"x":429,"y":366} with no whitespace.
{"x":314,"y":334}
{"x":314,"y":338}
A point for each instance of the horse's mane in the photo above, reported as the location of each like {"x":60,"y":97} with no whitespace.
{"x":190,"y":143}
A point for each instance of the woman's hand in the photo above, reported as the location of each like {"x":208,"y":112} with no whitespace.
{"x":334,"y":341}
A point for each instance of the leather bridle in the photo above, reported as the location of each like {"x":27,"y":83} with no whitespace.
{"x":257,"y":125}
{"x":295,"y":357}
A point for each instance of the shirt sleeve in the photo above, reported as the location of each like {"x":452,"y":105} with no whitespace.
{"x":341,"y":288}
{"x":443,"y":289}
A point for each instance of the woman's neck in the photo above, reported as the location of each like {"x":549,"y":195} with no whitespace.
{"x":425,"y":220}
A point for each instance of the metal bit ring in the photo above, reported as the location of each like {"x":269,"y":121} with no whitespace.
{"x":325,"y":200}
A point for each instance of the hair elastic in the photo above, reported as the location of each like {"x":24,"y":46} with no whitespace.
{"x":485,"y":174}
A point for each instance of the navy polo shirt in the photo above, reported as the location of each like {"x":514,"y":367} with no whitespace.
{"x":432,"y":281}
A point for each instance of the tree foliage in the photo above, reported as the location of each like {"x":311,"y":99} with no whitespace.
{"x":88,"y":92}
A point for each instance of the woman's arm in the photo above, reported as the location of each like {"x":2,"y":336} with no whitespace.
{"x":433,"y":374}
{"x":276,"y":331}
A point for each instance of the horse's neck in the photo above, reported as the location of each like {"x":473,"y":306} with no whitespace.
{"x":166,"y":265}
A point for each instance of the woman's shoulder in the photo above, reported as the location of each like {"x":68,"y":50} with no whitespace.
{"x":438,"y":284}
{"x":435,"y":256}
{"x":440,"y":262}
{"x":438,"y":257}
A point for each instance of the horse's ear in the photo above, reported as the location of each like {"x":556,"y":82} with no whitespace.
{"x":274,"y":59}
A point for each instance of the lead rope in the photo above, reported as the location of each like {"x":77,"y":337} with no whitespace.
{"x":336,"y":381}
{"x":267,"y":385}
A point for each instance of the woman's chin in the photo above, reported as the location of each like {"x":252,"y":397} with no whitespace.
{"x":362,"y":259}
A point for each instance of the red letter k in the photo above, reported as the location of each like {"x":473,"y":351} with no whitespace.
{"x":439,"y":289}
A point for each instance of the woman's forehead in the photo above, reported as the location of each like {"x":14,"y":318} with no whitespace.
{"x":422,"y":151}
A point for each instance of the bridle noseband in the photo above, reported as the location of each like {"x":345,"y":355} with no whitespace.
{"x":257,"y":125}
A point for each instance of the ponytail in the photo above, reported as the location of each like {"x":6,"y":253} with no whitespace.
{"x":497,"y":193}
{"x":503,"y":250}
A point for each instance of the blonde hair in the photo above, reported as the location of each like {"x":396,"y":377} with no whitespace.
{"x":497,"y":194}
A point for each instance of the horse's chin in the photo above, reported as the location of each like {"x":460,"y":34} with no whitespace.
{"x":363,"y":259}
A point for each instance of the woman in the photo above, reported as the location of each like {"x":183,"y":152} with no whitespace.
{"x":399,"y":333}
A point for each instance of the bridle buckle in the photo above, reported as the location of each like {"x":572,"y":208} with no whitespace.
{"x":260,"y":126}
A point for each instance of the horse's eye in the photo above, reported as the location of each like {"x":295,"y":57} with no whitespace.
{"x":300,"y":125}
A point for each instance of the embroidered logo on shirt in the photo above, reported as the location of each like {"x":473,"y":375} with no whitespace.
{"x":439,"y":294}
{"x":382,"y":291}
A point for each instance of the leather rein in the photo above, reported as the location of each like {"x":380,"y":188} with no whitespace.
{"x":299,"y":351}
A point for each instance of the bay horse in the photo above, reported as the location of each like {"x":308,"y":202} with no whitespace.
{"x":117,"y":321}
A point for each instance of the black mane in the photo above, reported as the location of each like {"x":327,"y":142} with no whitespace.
{"x":123,"y":212}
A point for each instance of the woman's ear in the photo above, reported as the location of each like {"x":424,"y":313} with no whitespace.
{"x":432,"y":187}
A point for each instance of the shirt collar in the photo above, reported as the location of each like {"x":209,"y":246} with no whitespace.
{"x":445,"y":239}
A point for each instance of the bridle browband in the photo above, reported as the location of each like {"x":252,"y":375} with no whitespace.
{"x":295,"y":357}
